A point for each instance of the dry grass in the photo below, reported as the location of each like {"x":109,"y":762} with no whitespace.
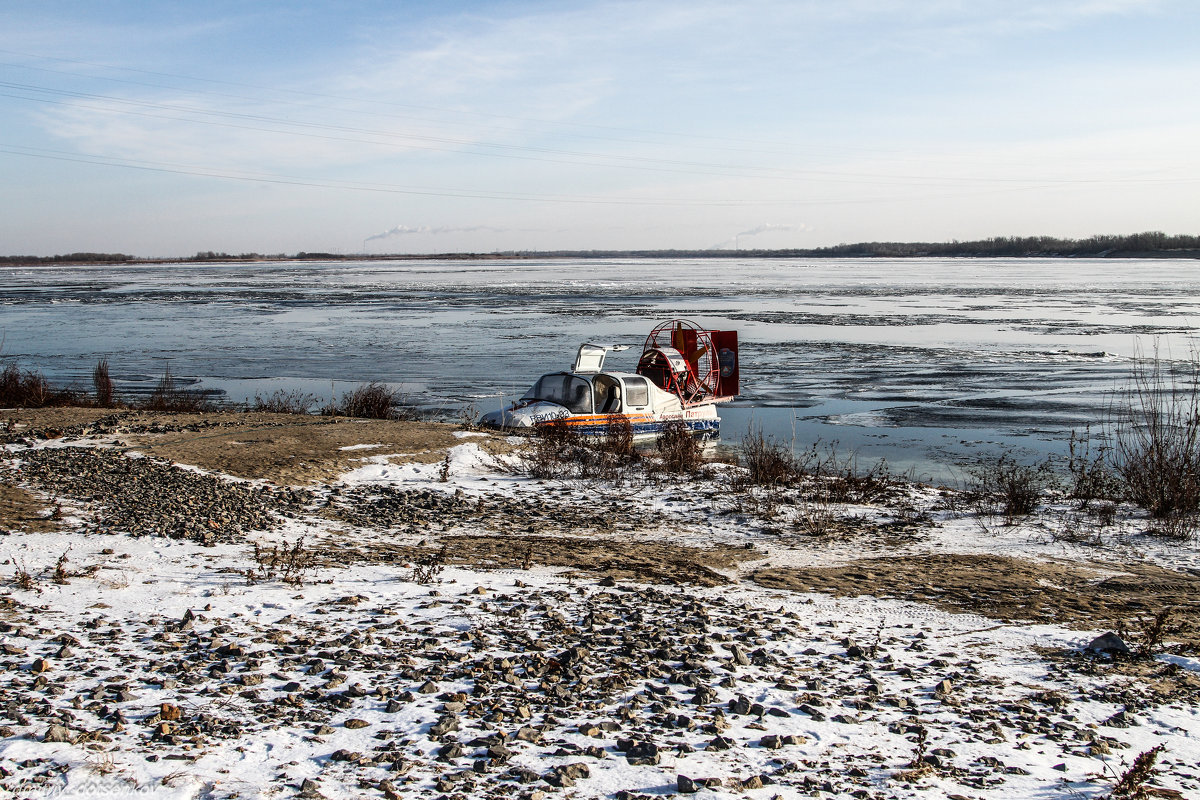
{"x":1132,"y":783}
{"x":169,"y":396}
{"x":281,"y":562}
{"x":102,"y":382}
{"x":283,"y":401}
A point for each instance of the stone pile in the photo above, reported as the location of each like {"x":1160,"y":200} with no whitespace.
{"x":415,"y":510}
{"x":528,"y":692}
{"x":148,"y":497}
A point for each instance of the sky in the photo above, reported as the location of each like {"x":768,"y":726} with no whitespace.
{"x":165,"y":128}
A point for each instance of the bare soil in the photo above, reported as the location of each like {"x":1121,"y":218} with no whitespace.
{"x":21,"y":511}
{"x":650,"y":562}
{"x":286,"y":449}
{"x":1099,"y":595}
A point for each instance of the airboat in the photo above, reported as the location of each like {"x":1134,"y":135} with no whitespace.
{"x":683,"y":373}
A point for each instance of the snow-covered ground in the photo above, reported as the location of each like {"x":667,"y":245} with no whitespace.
{"x":155,"y":667}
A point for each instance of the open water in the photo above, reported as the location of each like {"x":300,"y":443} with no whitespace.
{"x":925,"y":362}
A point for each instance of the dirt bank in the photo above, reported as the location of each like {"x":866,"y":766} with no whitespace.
{"x":1096,"y":595}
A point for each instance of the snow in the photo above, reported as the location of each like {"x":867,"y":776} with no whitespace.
{"x":148,"y":582}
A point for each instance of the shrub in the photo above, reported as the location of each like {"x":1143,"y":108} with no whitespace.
{"x":1177,"y":526}
{"x":288,"y":564}
{"x":558,"y":451}
{"x":372,"y":400}
{"x":840,"y":479}
{"x":1156,"y":437}
{"x":1132,"y":783}
{"x":1015,"y":486}
{"x":617,"y":440}
{"x":767,"y":462}
{"x":847,"y":482}
{"x":1091,"y":476}
{"x":30,"y":389}
{"x":428,"y":566}
{"x":283,"y":401}
{"x":680,"y":450}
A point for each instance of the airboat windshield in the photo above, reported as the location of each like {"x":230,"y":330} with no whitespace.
{"x":564,"y":389}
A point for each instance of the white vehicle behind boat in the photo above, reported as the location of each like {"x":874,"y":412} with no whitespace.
{"x":683,"y":373}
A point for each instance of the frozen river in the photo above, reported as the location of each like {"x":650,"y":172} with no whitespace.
{"x":926,"y":362}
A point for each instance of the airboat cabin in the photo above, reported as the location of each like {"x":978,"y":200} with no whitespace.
{"x":602,"y":393}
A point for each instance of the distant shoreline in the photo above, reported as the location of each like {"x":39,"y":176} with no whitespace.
{"x":1140,"y":245}
{"x":652,"y":255}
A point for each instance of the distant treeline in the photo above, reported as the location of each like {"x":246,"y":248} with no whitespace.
{"x":1152,"y":244}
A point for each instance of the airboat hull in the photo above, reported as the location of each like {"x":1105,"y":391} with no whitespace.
{"x":701,"y":421}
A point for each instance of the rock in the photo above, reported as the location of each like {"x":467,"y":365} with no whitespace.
{"x":499,"y":752}
{"x":447,"y":723}
{"x":527,"y":733}
{"x":1121,"y":719}
{"x":58,"y":733}
{"x":739,"y":656}
{"x":1109,"y":643}
{"x":740,"y":705}
{"x":564,"y":776}
{"x":643,"y":754}
{"x":685,"y":785}
{"x":310,"y":789}
{"x":817,"y":715}
{"x":354,"y":723}
{"x":450,"y":751}
{"x":169,"y":712}
{"x":523,"y":775}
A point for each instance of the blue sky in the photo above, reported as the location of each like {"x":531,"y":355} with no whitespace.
{"x":160,"y":129}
